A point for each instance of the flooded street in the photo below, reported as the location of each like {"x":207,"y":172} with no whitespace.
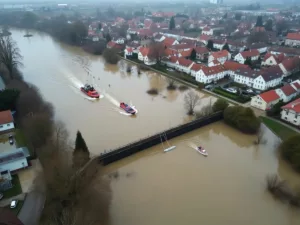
{"x":60,"y":70}
{"x":152,"y":187}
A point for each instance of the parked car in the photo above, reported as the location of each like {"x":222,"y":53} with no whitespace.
{"x":232,"y":90}
{"x":170,"y":70}
{"x":250,"y":91}
{"x":1,"y":196}
{"x":13,"y":204}
{"x":11,"y":139}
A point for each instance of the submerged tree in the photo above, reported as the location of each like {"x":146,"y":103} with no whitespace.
{"x":191,"y":100}
{"x":10,"y":57}
{"x":80,"y":144}
{"x":81,"y":154}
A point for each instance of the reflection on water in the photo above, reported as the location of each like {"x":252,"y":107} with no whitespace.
{"x":183,"y":187}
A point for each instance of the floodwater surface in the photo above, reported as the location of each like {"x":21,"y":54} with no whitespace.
{"x":152,"y":187}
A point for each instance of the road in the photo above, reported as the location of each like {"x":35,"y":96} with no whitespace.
{"x":32,"y":208}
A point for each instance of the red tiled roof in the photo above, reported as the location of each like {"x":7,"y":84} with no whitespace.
{"x":6,"y":117}
{"x":208,"y":71}
{"x":278,"y":58}
{"x":269,"y":96}
{"x":197,"y":67}
{"x":201,"y":50}
{"x":205,"y":37}
{"x":233,"y":66}
{"x":220,"y":54}
{"x":186,"y":53}
{"x":294,"y":105}
{"x":129,"y":49}
{"x":185,"y":62}
{"x":145,"y":32}
{"x":206,"y":29}
{"x":168,"y":41}
{"x":144,"y":51}
{"x":288,"y":90}
{"x":250,"y":53}
{"x":147,"y":23}
{"x":293,"y":36}
{"x":296,"y":85}
{"x":291,"y":63}
{"x":181,"y":46}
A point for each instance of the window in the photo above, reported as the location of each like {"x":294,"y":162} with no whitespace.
{"x":8,"y":124}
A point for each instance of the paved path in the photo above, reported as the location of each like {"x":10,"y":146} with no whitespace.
{"x":284,"y":124}
{"x":7,"y":201}
{"x":32,"y":208}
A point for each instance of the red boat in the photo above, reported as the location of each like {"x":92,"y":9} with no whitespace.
{"x":89,"y":91}
{"x":127,"y":108}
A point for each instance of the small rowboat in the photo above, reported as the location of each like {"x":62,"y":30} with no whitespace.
{"x":202,"y":151}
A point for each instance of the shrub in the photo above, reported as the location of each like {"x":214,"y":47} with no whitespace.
{"x":238,"y":98}
{"x":152,"y":91}
{"x":290,"y":150}
{"x":220,"y":105}
{"x":276,"y":109}
{"x":111,"y":55}
{"x":8,"y":99}
{"x":183,"y":88}
{"x":242,"y":118}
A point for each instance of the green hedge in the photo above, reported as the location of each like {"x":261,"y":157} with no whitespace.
{"x":232,"y":96}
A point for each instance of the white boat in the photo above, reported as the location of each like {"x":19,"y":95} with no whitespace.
{"x":202,"y":151}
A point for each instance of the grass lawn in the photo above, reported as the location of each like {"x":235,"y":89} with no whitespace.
{"x":21,"y":140}
{"x":15,"y":190}
{"x":279,"y":129}
{"x":17,"y":209}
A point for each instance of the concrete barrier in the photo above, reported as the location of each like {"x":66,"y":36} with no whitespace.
{"x":148,"y":142}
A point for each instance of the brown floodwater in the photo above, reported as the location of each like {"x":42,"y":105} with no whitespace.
{"x":59,"y":70}
{"x":153,"y":187}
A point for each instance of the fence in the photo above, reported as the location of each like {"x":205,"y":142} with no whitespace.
{"x":148,"y":142}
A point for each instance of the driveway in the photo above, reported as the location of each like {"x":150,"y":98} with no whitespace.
{"x":32,"y":208}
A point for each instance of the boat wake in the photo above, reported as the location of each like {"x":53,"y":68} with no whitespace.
{"x":193,"y":145}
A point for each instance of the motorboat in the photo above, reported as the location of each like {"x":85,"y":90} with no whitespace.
{"x":202,"y":151}
{"x":127,"y":108}
{"x":89,"y":91}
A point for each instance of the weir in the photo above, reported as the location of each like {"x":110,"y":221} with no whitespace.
{"x":148,"y":142}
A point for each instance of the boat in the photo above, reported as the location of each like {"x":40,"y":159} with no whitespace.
{"x":164,"y":136}
{"x":127,"y":108}
{"x":89,"y":91}
{"x":202,"y":151}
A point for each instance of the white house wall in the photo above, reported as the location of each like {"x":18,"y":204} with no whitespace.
{"x":15,"y":165}
{"x":6,"y":126}
{"x":291,"y":116}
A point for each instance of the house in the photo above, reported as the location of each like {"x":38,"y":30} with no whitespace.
{"x":290,"y":65}
{"x":291,"y":112}
{"x":170,"y":62}
{"x":231,"y":67}
{"x":260,"y":47}
{"x":201,"y":53}
{"x":128,"y":52}
{"x":221,"y":56}
{"x":6,"y":121}
{"x":169,"y":42}
{"x":272,"y":60}
{"x":261,"y":80}
{"x":213,"y":63}
{"x":287,"y":92}
{"x":265,"y":100}
{"x":113,"y":44}
{"x":196,"y":68}
{"x":205,"y":38}
{"x":8,"y":217}
{"x":296,"y":85}
{"x":218,"y":44}
{"x":144,"y":55}
{"x":293,"y":39}
{"x":14,"y":160}
{"x":184,"y":65}
{"x":159,"y":38}
{"x":242,"y":56}
{"x":276,"y":50}
{"x":207,"y":31}
{"x":209,"y":74}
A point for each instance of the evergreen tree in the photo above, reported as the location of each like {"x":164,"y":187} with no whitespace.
{"x":193,"y":54}
{"x":99,"y":26}
{"x":269,"y":25}
{"x":259,"y":22}
{"x":80,"y":144}
{"x":172,"y":24}
{"x":210,"y":44}
{"x":108,"y":37}
{"x":248,"y":61}
{"x":226,"y":47}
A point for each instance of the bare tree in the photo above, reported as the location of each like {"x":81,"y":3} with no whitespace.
{"x":191,"y":100}
{"x":171,"y":84}
{"x":60,"y":135}
{"x":205,"y":110}
{"x":10,"y":55}
{"x":157,"y":51}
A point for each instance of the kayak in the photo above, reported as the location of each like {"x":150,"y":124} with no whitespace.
{"x":202,"y":151}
